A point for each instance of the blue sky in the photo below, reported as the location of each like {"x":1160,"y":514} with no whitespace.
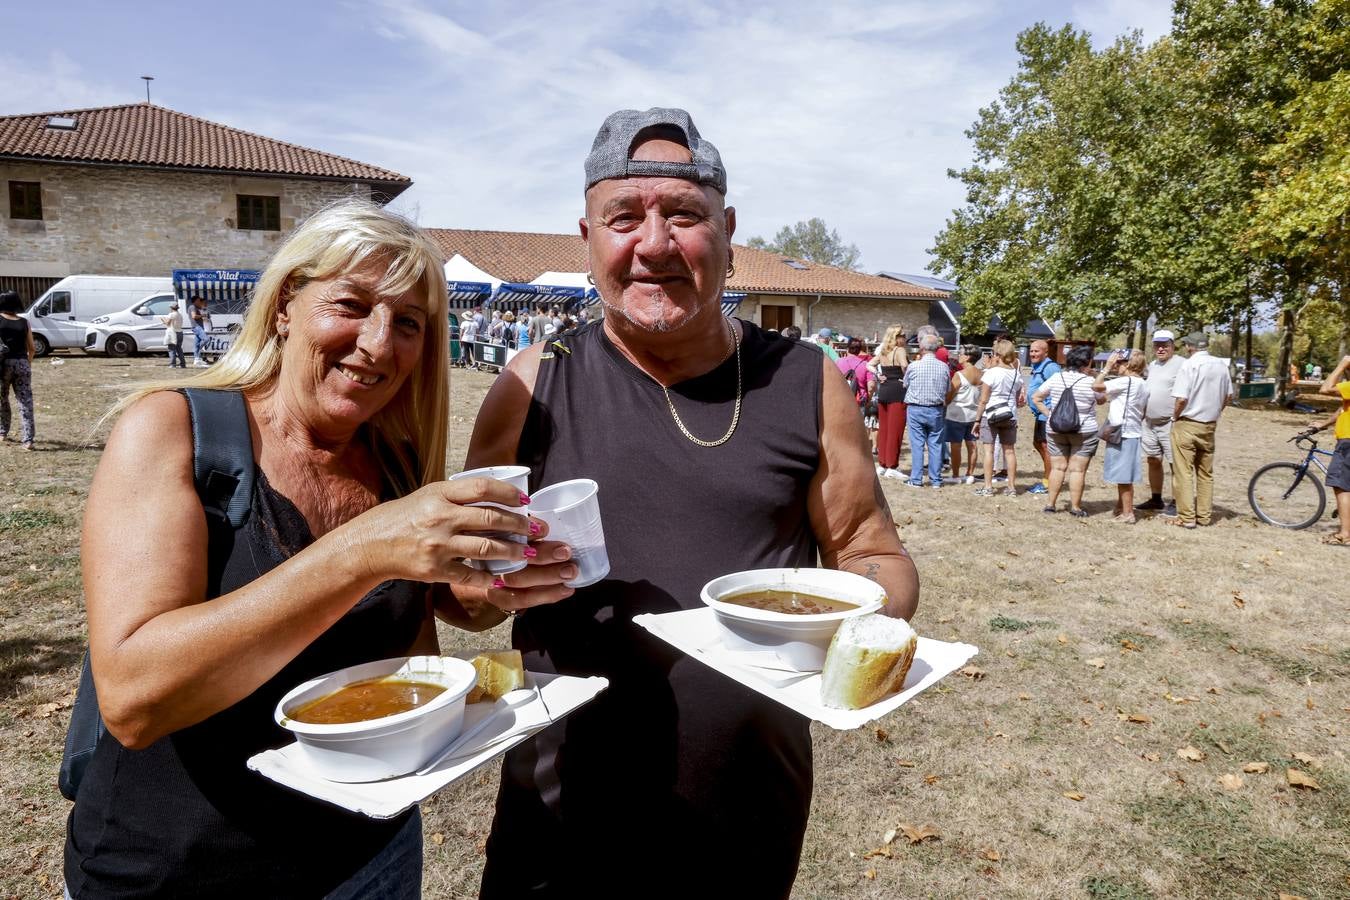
{"x":849,"y":111}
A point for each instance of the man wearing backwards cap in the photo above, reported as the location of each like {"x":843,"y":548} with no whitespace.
{"x":718,"y":447}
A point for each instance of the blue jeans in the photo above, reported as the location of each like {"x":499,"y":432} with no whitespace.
{"x":927,"y":426}
{"x":395,"y":873}
{"x":200,"y":334}
{"x":176,"y":351}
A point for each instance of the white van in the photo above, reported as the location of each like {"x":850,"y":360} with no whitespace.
{"x":60,"y":316}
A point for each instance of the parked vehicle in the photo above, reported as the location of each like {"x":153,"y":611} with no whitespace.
{"x":61,"y":315}
{"x":138,"y":329}
{"x":135,"y":329}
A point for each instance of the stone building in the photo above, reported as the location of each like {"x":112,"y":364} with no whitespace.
{"x":142,"y":190}
{"x":768,"y":289}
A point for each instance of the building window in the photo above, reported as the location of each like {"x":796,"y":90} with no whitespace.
{"x":25,"y":200}
{"x":259,"y":213}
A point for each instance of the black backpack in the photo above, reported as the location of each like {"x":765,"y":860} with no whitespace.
{"x":222,"y":470}
{"x":1064,"y":417}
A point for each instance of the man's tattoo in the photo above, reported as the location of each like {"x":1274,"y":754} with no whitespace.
{"x":880,"y":496}
{"x":871,"y":571}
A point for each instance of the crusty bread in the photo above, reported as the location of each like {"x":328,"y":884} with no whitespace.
{"x":499,"y":671}
{"x":868,"y":658}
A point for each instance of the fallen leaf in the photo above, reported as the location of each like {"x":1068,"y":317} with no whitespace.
{"x":1136,"y":718}
{"x":1151,"y":757}
{"x":1212,"y":690}
{"x":1028,"y":697}
{"x":882,"y":735}
{"x":1127,"y":645}
{"x":1307,"y":760}
{"x":1231,"y":781}
{"x":1300,"y":779}
{"x":1239,"y":602}
{"x":930,"y":778}
{"x":1097,"y":663}
{"x":870,"y":874}
{"x":905,"y":763}
{"x":943,"y":620}
{"x":880,"y":851}
{"x":919,"y":835}
{"x":45,"y":710}
{"x":973,"y":672}
{"x":1191,"y":753}
{"x":990,"y":854}
{"x":1224,"y":747}
{"x":1013,"y":553}
{"x":1284,"y":896}
{"x":1073,"y":795}
{"x":1059,"y":581}
{"x":437,"y":838}
{"x":1309,"y":703}
{"x":1256,"y":768}
{"x":1062,"y":638}
{"x":888,"y":836}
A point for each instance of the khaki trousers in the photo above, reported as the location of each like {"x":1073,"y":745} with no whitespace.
{"x":1193,"y":469}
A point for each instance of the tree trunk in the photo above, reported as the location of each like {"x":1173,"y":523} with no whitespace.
{"x":1234,"y":334}
{"x":1283,"y":384}
{"x":1247,"y":374}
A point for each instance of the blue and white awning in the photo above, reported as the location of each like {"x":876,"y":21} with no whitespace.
{"x":469,"y":292}
{"x":730,"y":301}
{"x":514,"y":294}
{"x":226,"y":291}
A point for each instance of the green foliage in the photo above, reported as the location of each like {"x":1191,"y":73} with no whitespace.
{"x":1003,"y":623}
{"x":29,"y":519}
{"x":813,"y":241}
{"x":1112,"y":887}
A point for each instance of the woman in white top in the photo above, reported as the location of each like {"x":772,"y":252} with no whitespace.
{"x":1128,"y":396}
{"x":173,"y":336}
{"x":1002,"y":391}
{"x":1070,"y":452}
{"x":963,"y":410}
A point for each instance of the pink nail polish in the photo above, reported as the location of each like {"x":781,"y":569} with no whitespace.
{"x":531,"y":553}
{"x":498,"y":583}
{"x":524,"y":499}
{"x":535,"y":527}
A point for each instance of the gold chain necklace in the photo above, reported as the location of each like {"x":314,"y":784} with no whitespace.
{"x":736,"y":412}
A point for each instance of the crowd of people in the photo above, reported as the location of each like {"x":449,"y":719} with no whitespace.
{"x":510,"y":329}
{"x":1160,"y":417}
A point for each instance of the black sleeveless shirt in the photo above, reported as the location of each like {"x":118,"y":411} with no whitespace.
{"x":674,"y":763}
{"x":185,"y":817}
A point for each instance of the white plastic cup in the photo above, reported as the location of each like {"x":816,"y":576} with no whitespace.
{"x":572,"y":511}
{"x":519,"y":478}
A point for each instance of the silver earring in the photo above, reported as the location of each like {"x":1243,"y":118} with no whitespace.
{"x":590,"y":278}
{"x":282,"y":330}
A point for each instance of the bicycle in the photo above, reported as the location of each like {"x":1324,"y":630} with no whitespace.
{"x":1289,"y":494}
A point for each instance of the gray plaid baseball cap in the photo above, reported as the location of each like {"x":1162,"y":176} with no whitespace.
{"x":613,"y":147}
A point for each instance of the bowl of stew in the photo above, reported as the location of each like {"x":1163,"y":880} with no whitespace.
{"x":379,"y":719}
{"x":789,"y":613}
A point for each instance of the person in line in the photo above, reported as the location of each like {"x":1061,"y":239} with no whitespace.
{"x":1202,"y":391}
{"x":17,"y":350}
{"x":1122,"y":384}
{"x":173,"y":336}
{"x":1042,"y":369}
{"x":824,"y":339}
{"x":522,"y":331}
{"x":890,"y":363}
{"x":941,"y":353}
{"x":1070,"y":452}
{"x":1001,"y":394}
{"x":1338,"y":473}
{"x":353,"y":539}
{"x":201,"y":326}
{"x":538,"y":323}
{"x":468,"y":336}
{"x":926,"y":382}
{"x":963,"y":410}
{"x":496,"y":333}
{"x":509,"y":330}
{"x":1156,"y":433}
{"x":863,"y":381}
{"x":717,"y":447}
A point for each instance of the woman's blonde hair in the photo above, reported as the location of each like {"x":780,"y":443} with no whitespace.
{"x":1137,"y":362}
{"x":892,"y":339}
{"x":1005,"y":352}
{"x":409,"y":434}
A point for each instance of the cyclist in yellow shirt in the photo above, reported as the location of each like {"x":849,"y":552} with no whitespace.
{"x":1338,"y":473}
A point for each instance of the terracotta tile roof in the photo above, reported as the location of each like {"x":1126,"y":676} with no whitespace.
{"x":523,"y":256}
{"x":143,"y":134}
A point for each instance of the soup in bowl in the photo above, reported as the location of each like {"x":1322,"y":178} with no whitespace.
{"x":792,"y":613}
{"x":380,"y":719}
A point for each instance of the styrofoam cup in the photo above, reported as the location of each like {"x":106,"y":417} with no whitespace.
{"x":519,"y":478}
{"x":572,"y":511}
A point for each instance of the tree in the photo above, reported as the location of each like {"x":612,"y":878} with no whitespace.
{"x":813,"y":241}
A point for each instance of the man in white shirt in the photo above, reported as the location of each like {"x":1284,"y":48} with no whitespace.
{"x":1202,"y":389}
{"x":1156,"y":437}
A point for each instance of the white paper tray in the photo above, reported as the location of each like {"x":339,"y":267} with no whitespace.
{"x":695,"y":631}
{"x":559,"y":695}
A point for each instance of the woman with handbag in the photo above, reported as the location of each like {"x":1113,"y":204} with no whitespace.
{"x":889,"y":364}
{"x":1071,"y":429}
{"x":963,"y":410}
{"x":1128,"y":396}
{"x":1001,"y":392}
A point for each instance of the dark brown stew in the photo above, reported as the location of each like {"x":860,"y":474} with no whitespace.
{"x":793,"y":603}
{"x":361,"y":701}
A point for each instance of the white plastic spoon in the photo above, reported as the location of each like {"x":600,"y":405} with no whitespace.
{"x":510,"y":699}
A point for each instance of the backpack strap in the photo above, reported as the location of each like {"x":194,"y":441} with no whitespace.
{"x":222,"y":454}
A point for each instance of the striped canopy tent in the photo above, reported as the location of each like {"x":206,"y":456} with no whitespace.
{"x":516,"y":296}
{"x":226,"y":291}
{"x":730,"y":301}
{"x":468,"y":293}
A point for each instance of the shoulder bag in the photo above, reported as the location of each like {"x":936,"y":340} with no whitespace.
{"x":222,"y":471}
{"x":1113,"y":432}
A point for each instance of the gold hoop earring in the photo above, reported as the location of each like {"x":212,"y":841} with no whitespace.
{"x":590,"y":278}
{"x":731,"y":269}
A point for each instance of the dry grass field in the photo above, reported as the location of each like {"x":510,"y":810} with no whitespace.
{"x":1153,"y":712}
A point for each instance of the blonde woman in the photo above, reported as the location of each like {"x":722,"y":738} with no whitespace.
{"x":351,"y":541}
{"x":1121,"y":383}
{"x":1002,"y":391}
{"x":963,"y":410}
{"x":890,"y":363}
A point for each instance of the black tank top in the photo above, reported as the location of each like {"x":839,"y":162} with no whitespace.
{"x":14,"y":335}
{"x":674,"y":762}
{"x":892,"y":390}
{"x":185,"y":817}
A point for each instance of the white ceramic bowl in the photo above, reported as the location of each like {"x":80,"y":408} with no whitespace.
{"x":800,"y":641}
{"x":391,"y":745}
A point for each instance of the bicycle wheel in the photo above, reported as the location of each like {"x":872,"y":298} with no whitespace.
{"x":1286,"y":495}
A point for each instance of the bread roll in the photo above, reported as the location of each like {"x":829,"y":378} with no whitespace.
{"x":499,"y":671}
{"x":868,"y":658}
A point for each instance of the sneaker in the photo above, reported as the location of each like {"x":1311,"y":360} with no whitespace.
{"x":1170,"y":510}
{"x":984,"y":492}
{"x":916,"y":484}
{"x":881,"y":470}
{"x":1153,"y":504}
{"x":1001,"y":479}
{"x":937,"y":487}
{"x":1038,"y":488}
{"x":894,"y":473}
{"x":970,"y":479}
